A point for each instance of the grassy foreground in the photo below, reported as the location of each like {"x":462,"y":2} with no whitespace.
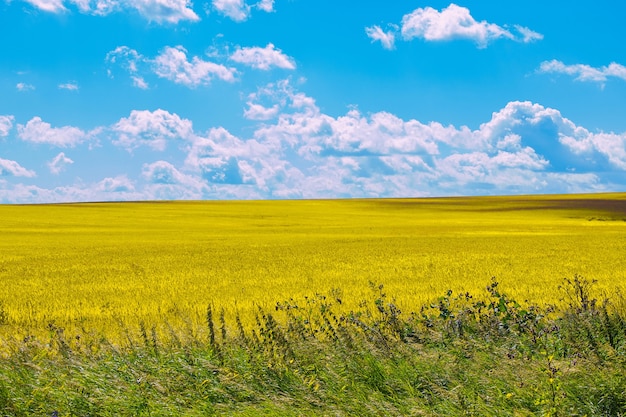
{"x":462,"y":355}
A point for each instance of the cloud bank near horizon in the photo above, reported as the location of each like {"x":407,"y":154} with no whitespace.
{"x":297,"y":151}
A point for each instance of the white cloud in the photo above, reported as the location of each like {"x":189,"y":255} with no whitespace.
{"x":258,"y":112}
{"x":266,"y":5}
{"x":616,"y":70}
{"x":177,"y":192}
{"x":596,"y":148}
{"x":237,"y":10}
{"x":6,"y":124}
{"x":222,"y":158}
{"x":113,"y":188}
{"x":527,"y":34}
{"x":58,"y":163}
{"x":173,"y":65}
{"x":481,"y":166}
{"x":24,"y":87}
{"x":167,"y":182}
{"x":159,"y":11}
{"x":100,"y":7}
{"x":152,"y":129}
{"x":387,"y":39}
{"x":453,"y":22}
{"x":69,"y":86}
{"x":126,"y":57}
{"x":118,"y":184}
{"x":611,"y":145}
{"x":85,"y":7}
{"x":13,"y":169}
{"x":28,"y":194}
{"x":40,"y":132}
{"x":298,"y":151}
{"x":169,"y":11}
{"x":383,"y":152}
{"x":268,"y":101}
{"x":139,"y":82}
{"x":162,"y":172}
{"x":584,"y":72}
{"x":52,"y":6}
{"x":131,"y":61}
{"x":263,"y":58}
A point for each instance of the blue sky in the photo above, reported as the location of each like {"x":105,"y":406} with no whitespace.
{"x":222,"y":99}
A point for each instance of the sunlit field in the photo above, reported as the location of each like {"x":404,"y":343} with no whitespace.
{"x":106,"y":269}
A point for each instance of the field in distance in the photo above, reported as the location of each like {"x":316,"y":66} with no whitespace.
{"x":107,"y":267}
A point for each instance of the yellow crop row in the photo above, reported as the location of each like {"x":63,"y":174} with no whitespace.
{"x":107,"y":267}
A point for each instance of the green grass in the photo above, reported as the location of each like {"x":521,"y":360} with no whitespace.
{"x":463,"y":355}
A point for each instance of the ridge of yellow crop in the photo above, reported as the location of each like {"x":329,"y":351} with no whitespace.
{"x":107,"y":267}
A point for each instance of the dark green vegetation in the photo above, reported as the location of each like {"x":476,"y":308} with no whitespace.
{"x":468,"y":355}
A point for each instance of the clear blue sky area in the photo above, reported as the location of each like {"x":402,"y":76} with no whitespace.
{"x":222,"y":99}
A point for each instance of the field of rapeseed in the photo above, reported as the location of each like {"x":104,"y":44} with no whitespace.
{"x":104,"y":268}
{"x":462,"y":306}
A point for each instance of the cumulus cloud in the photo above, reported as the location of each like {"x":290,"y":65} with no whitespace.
{"x":159,"y":11}
{"x":165,"y":11}
{"x":263,"y":58}
{"x":114,"y":188}
{"x":237,"y":10}
{"x":584,"y":72}
{"x":267,"y":101}
{"x":610,"y":145}
{"x":132,"y":62}
{"x":224,"y":159}
{"x":452,"y":22}
{"x":167,"y":182}
{"x":10,"y":168}
{"x":126,"y":57}
{"x":59,"y":163}
{"x":387,"y":39}
{"x":162,"y":172}
{"x":24,"y":87}
{"x":150,"y":128}
{"x":69,"y":86}
{"x":118,"y":184}
{"x":298,"y":151}
{"x":53,"y":6}
{"x":39,"y":132}
{"x":139,"y":82}
{"x":519,"y":149}
{"x":528,"y":35}
{"x":97,"y":7}
{"x":258,"y":112}
{"x":481,"y":166}
{"x":173,"y":65}
{"x":6,"y":124}
{"x":266,"y":5}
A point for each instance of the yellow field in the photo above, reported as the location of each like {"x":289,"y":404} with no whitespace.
{"x":107,"y":267}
